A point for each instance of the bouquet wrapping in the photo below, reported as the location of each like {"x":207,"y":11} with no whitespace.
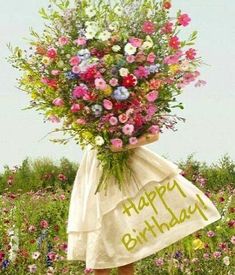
{"x":108,"y":73}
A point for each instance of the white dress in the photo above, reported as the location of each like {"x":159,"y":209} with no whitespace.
{"x":124,"y":227}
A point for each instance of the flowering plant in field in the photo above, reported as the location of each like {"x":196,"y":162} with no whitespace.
{"x":109,"y":73}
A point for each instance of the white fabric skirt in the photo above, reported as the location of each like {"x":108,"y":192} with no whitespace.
{"x":154,"y":211}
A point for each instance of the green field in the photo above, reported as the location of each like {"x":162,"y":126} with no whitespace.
{"x":34,"y":201}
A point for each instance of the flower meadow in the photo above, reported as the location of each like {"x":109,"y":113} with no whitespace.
{"x":34,"y":215}
{"x":109,"y":73}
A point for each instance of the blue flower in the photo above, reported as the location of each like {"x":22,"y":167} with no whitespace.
{"x":153,"y":68}
{"x":97,"y":109}
{"x":71,"y":75}
{"x":121,"y":93}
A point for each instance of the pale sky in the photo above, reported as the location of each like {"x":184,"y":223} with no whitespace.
{"x":209,"y":111}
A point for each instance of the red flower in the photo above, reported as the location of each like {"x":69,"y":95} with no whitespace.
{"x":89,"y":75}
{"x":174,"y":42}
{"x":138,"y":120}
{"x":167,"y":5}
{"x":191,"y":54}
{"x":129,"y":81}
{"x":52,"y":53}
{"x":97,"y":53}
{"x":231,"y":223}
{"x":221,"y":199}
{"x":148,"y":27}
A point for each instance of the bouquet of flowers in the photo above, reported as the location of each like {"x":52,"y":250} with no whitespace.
{"x":109,"y":73}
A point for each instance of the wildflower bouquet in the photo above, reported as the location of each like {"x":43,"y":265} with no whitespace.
{"x":109,"y":72}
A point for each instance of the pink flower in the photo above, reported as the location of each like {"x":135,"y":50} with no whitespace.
{"x":100,"y":83}
{"x":159,"y":262}
{"x":58,"y":101}
{"x":154,"y":129}
{"x":206,"y":256}
{"x":128,"y":129}
{"x":135,"y":42}
{"x":123,"y":118}
{"x":151,"y":57}
{"x":54,"y":119}
{"x":88,"y":270}
{"x":130,"y":58}
{"x":81,"y":121}
{"x":173,"y":59}
{"x":75,"y":107}
{"x":117,"y":142}
{"x":210,"y":233}
{"x":81,"y":41}
{"x":108,"y":105}
{"x":184,"y":19}
{"x":79,"y":91}
{"x":167,"y":28}
{"x":63,"y":40}
{"x":113,"y":120}
{"x":151,"y":110}
{"x":148,"y":27}
{"x":133,"y":140}
{"x":113,"y":82}
{"x":32,"y":228}
{"x":55,"y":72}
{"x":44,"y":224}
{"x":141,"y":72}
{"x":74,"y":61}
{"x":191,"y":54}
{"x":76,"y":69}
{"x":217,"y":254}
{"x":152,"y":96}
{"x":52,"y":53}
{"x":51,"y":255}
{"x":174,"y":42}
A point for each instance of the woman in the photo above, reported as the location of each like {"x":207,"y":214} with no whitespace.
{"x":107,"y":232}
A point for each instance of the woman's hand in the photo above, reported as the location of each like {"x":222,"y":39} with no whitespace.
{"x":142,"y":140}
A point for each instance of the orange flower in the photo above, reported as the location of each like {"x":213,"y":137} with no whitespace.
{"x":155,"y":84}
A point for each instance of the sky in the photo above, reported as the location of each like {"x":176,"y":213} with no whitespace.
{"x":208,"y":132}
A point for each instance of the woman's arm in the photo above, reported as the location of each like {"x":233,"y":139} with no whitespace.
{"x":144,"y":139}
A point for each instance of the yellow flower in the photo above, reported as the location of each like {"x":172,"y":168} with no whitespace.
{"x":174,"y":68}
{"x":87,"y":135}
{"x":198,"y":244}
{"x":46,"y":60}
{"x":108,"y":91}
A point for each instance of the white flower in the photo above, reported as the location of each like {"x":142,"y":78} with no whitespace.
{"x":90,"y":32}
{"x":226,"y":260}
{"x":91,"y":24}
{"x":105,"y":35}
{"x":116,"y":48}
{"x":147,"y":44}
{"x":113,"y":26}
{"x":35,"y":255}
{"x":123,"y":72}
{"x":90,"y":12}
{"x":118,"y":10}
{"x":99,"y":140}
{"x":129,"y":49}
